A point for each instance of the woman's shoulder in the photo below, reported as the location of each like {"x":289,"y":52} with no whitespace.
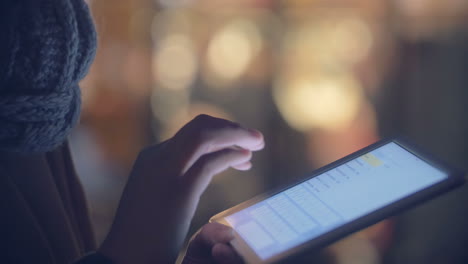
{"x":47,"y":214}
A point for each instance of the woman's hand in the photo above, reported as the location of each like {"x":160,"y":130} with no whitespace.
{"x":211,"y":245}
{"x":165,"y":185}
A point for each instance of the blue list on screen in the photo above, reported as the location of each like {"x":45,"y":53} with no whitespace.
{"x":336,"y":197}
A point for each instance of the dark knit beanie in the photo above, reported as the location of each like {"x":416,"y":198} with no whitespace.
{"x":46,"y":48}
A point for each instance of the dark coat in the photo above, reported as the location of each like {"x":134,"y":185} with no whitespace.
{"x":44,"y":215}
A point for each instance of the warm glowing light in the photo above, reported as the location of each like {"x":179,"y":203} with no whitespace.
{"x":170,"y":21}
{"x":174,"y":62}
{"x":317,"y":88}
{"x":300,"y":48}
{"x":166,"y":103}
{"x":175,"y":3}
{"x":329,"y":42}
{"x":327,"y":102}
{"x":351,"y":40}
{"x":232,"y":49}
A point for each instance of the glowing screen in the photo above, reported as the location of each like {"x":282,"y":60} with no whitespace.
{"x":336,"y":197}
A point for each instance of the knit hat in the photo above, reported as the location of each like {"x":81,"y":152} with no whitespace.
{"x":46,"y":48}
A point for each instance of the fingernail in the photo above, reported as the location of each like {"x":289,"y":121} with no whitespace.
{"x":231,"y":233}
{"x":255,"y":132}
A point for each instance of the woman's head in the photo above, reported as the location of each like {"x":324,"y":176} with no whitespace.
{"x":46,"y":48}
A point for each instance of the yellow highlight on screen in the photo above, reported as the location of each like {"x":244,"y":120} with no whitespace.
{"x":372,"y":160}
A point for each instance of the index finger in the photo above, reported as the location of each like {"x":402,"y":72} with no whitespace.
{"x":206,"y":134}
{"x":221,"y":133}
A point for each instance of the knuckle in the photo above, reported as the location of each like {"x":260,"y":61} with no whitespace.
{"x":191,"y":128}
{"x":199,"y":129}
{"x":203,"y":119}
{"x":207,"y":121}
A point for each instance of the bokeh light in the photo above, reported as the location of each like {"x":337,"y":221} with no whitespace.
{"x":322,"y":102}
{"x":338,"y":41}
{"x":350,"y":39}
{"x":174,"y":3}
{"x":316,"y":87}
{"x":231,"y":50}
{"x":320,"y":79}
{"x":166,"y":103}
{"x":175,"y":62}
{"x":428,"y":8}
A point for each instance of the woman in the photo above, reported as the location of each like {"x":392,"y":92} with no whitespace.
{"x":45,"y":50}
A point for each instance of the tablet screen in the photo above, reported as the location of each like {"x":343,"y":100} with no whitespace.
{"x":333,"y":198}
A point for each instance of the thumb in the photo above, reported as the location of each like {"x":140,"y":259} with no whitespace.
{"x":201,"y":245}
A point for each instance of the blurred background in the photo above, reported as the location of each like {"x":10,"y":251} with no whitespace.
{"x":320,"y":79}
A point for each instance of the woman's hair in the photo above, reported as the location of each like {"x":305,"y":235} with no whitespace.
{"x":46,"y":48}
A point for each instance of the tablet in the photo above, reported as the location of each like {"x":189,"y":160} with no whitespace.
{"x":341,"y":198}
